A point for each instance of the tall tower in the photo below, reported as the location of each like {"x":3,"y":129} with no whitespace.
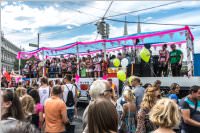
{"x":125,"y":27}
{"x":138,"y":25}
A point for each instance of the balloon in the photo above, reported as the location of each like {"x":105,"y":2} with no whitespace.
{"x":124,"y":62}
{"x":145,"y":55}
{"x":121,"y":75}
{"x":116,"y":62}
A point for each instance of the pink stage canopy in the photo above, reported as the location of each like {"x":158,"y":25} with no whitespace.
{"x":157,"y":38}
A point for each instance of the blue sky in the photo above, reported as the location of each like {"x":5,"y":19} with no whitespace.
{"x":60,"y":23}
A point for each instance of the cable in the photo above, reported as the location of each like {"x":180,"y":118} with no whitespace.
{"x":57,"y":32}
{"x":144,"y":9}
{"x":45,"y":35}
{"x":122,"y":21}
{"x":83,"y":24}
{"x":108,"y":8}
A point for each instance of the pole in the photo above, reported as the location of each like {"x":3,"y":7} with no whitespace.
{"x":43,"y":59}
{"x":20,"y":66}
{"x":104,"y":50}
{"x":43,"y":70}
{"x":38,"y":40}
{"x":189,"y":45}
{"x":0,"y":60}
{"x":77,"y":58}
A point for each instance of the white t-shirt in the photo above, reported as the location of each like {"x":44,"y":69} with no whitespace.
{"x":65,"y":93}
{"x":44,"y":93}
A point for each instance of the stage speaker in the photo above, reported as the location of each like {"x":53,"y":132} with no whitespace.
{"x":142,"y":69}
{"x":136,"y":69}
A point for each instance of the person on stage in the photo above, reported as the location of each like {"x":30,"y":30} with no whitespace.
{"x":176,"y":58}
{"x":163,"y":61}
{"x":97,"y":66}
{"x":89,"y":64}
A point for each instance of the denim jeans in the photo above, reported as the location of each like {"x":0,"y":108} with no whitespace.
{"x":70,"y":114}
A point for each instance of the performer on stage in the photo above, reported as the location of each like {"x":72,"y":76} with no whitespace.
{"x":163,"y":61}
{"x":83,"y":67}
{"x":176,"y":58}
{"x":97,"y":69}
{"x":89,"y":64}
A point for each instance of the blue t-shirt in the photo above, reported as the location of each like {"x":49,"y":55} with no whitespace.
{"x":194,"y":114}
{"x":173,"y":97}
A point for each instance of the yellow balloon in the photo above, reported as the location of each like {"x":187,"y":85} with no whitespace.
{"x":121,"y":75}
{"x":116,"y":62}
{"x":145,"y":55}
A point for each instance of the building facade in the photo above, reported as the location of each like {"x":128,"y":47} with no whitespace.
{"x":8,"y":54}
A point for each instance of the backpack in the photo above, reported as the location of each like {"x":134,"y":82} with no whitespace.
{"x":70,"y":98}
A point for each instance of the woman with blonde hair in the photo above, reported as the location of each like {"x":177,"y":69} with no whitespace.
{"x":27,"y":107}
{"x":129,"y":111}
{"x":143,"y":123}
{"x":166,"y":115}
{"x":20,"y":91}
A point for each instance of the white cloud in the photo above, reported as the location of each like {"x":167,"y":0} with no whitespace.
{"x":69,"y":27}
{"x":4,"y":3}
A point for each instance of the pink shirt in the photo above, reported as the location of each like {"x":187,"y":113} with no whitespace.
{"x":38,"y":108}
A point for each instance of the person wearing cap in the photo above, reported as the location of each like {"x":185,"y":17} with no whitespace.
{"x":163,"y":61}
{"x":176,"y":58}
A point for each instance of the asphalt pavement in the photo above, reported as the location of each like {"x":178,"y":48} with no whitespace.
{"x":78,"y":121}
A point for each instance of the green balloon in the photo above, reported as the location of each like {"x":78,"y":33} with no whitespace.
{"x":116,"y":62}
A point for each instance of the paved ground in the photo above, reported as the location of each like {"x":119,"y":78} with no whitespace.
{"x":78,"y":122}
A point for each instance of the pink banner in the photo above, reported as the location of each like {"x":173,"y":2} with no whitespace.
{"x":121,"y":48}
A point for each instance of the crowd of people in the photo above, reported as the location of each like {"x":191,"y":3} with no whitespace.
{"x":88,"y":66}
{"x":142,"y":110}
{"x":50,"y":107}
{"x":96,"y":66}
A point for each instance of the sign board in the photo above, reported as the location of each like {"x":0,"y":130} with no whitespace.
{"x":33,"y":45}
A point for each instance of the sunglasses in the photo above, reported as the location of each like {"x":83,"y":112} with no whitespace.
{"x":109,"y":90}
